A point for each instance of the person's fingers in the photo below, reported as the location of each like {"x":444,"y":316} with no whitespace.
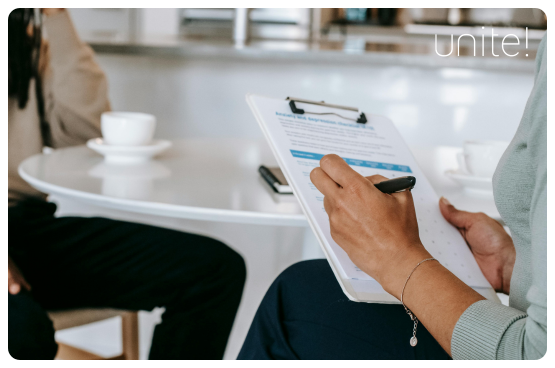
{"x":13,"y":286}
{"x":339,"y":171}
{"x":14,"y":289}
{"x":404,"y":197}
{"x":375,"y":179}
{"x":327,"y":205}
{"x":25,"y":284}
{"x":323,"y":182}
{"x":460,"y":219}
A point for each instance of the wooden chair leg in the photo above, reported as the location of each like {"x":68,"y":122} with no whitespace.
{"x":68,"y":352}
{"x":130,"y":335}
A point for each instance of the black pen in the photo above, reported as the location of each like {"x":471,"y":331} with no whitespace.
{"x":397,"y":184}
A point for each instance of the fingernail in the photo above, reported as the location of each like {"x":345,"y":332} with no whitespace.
{"x":445,"y":201}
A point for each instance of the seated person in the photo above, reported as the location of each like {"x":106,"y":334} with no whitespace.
{"x":56,"y":94}
{"x":305,"y":315}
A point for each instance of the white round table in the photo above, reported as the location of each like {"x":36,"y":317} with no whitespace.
{"x":202,"y":179}
{"x":205,"y":179}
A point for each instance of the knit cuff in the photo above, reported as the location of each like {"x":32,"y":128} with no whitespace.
{"x":479,"y":331}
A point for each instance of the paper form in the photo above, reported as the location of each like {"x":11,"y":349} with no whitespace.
{"x":376,"y":147}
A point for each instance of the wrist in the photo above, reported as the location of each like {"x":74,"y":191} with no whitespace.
{"x":507,"y":273}
{"x":395,"y":276}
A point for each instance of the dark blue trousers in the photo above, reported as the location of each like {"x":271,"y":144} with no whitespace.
{"x":73,"y":262}
{"x":305,"y":315}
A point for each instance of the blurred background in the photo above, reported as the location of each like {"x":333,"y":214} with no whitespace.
{"x":192,"y":68}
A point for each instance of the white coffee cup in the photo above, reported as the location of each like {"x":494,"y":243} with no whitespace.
{"x":481,"y":157}
{"x":127,"y":128}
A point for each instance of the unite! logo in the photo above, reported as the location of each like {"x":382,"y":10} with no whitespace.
{"x":503,"y":43}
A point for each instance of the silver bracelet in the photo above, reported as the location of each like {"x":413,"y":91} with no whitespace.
{"x":413,"y":339}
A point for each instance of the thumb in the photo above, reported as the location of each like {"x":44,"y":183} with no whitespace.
{"x":459,"y":219}
{"x":13,"y":286}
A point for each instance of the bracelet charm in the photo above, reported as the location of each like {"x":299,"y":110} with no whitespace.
{"x":413,"y":339}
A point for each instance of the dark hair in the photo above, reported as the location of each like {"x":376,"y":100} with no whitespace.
{"x":23,"y":60}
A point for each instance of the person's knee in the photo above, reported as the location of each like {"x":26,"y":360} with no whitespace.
{"x":290,"y":291}
{"x":305,"y":272}
{"x":230,"y":263}
{"x":225,"y":270}
{"x":30,"y":331}
{"x":237,"y":265}
{"x":304,"y":279}
{"x":223,"y":280}
{"x":221,"y":261}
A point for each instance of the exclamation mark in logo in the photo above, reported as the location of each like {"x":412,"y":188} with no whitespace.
{"x":526,"y":40}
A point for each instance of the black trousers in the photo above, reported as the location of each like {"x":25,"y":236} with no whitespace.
{"x":305,"y":315}
{"x":75,"y":262}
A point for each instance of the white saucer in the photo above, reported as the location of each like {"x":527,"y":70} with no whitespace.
{"x":128,"y":154}
{"x":472,"y":184}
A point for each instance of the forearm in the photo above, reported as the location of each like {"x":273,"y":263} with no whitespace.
{"x":436,"y":296}
{"x":379,"y":232}
{"x":508,"y":266}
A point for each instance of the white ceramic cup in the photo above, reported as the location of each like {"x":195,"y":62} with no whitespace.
{"x":481,"y":157}
{"x":127,"y":128}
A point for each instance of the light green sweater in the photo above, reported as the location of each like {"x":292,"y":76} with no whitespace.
{"x":489,"y":330}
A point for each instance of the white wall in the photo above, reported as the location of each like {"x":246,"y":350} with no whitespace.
{"x":160,"y":21}
{"x":121,"y":21}
{"x":206,"y":97}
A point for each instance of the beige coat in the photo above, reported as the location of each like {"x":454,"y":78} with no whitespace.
{"x":75,"y":94}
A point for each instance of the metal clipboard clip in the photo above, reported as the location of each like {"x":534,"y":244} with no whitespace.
{"x":361,"y":118}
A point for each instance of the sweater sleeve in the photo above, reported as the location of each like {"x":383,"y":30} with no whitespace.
{"x":489,"y":330}
{"x":75,"y":88}
{"x":535,"y":338}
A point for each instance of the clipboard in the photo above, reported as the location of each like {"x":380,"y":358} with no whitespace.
{"x":361,"y":119}
{"x":274,"y":114}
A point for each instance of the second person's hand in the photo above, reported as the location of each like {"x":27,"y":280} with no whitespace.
{"x":492,"y":247}
{"x":16,"y":281}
